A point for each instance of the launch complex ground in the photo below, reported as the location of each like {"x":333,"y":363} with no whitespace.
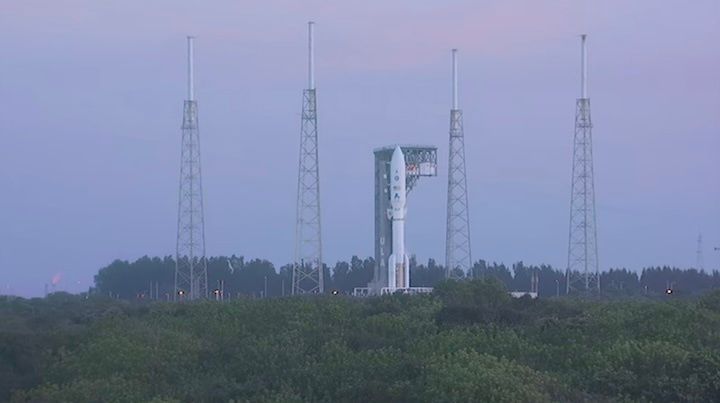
{"x":397,"y":170}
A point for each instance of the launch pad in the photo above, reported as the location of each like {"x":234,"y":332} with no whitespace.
{"x":420,"y":161}
{"x":369,"y":291}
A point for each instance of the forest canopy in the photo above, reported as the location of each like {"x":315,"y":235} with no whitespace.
{"x":468,"y":341}
{"x":152,"y":278}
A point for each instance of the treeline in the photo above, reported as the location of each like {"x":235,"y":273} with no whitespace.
{"x":466,"y":342}
{"x":152,"y":278}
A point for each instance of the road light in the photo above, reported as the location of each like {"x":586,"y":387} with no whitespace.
{"x":670,"y":288}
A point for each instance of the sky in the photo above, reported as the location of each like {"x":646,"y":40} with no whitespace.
{"x":91,"y":99}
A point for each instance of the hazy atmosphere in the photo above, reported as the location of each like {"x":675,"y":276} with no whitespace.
{"x":91,"y":97}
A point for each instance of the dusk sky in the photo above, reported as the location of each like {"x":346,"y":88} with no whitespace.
{"x":91,"y":96}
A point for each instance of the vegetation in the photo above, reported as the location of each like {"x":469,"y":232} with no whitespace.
{"x":468,"y":341}
{"x":152,"y":278}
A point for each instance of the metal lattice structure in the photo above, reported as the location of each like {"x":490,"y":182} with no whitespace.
{"x":308,"y":266}
{"x":583,"y":273}
{"x":458,"y":257}
{"x":699,"y":257}
{"x":190,"y":261}
{"x":420,"y":161}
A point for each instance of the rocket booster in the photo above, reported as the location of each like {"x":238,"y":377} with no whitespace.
{"x":398,"y":263}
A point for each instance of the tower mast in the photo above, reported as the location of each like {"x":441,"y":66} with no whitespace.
{"x":700,"y":259}
{"x":308,"y":268}
{"x":190,"y":261}
{"x":458,"y":259}
{"x":583,"y":274}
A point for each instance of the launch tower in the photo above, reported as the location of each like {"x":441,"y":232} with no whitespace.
{"x":583,"y":273}
{"x":458,"y":259}
{"x":308,"y":267}
{"x":190,"y":262}
{"x":420,"y":161}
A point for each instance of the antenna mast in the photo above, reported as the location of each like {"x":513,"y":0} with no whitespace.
{"x":311,"y":56}
{"x":583,"y":274}
{"x":190,"y":261}
{"x":584,"y":71}
{"x":308,"y":267}
{"x":458,"y":259}
{"x":190,"y":67}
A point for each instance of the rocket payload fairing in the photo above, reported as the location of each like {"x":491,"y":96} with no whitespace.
{"x":398,"y":263}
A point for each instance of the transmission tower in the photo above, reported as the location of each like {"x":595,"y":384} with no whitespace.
{"x":190,"y":262}
{"x":583,"y":273}
{"x":700,"y":259}
{"x":458,"y":260}
{"x":308,"y":270}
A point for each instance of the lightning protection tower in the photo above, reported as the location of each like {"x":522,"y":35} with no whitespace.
{"x":458,"y":260}
{"x":700,"y":259}
{"x":307,"y":269}
{"x":190,"y":262}
{"x":583,"y":275}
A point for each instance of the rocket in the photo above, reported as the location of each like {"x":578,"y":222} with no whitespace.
{"x":398,"y":263}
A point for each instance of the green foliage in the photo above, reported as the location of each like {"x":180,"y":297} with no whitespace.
{"x":711,"y":301}
{"x":469,"y":341}
{"x":152,"y":278}
{"x":468,"y":376}
{"x":657,"y":371}
{"x":478,"y":301}
{"x":113,"y":389}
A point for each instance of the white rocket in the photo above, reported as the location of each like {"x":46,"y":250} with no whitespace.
{"x":398,"y":263}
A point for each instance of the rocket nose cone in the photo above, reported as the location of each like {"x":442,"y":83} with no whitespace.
{"x":397,"y":153}
{"x":398,"y":159}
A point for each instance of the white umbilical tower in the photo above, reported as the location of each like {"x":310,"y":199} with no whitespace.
{"x":583,"y":273}
{"x":308,"y":268}
{"x":458,"y":259}
{"x":190,"y":261}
